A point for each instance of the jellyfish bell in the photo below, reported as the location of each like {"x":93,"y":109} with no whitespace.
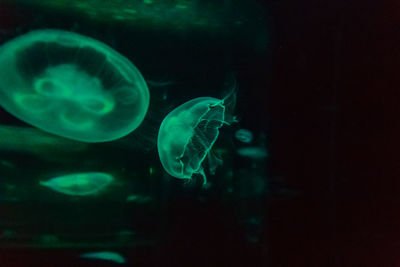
{"x":72,"y":86}
{"x":188,"y":133}
{"x":79,"y":184}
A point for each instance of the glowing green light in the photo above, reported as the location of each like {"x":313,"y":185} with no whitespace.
{"x":71,"y":85}
{"x":181,"y":6}
{"x":130,"y":11}
{"x":8,"y":233}
{"x":244,"y":136}
{"x":187,"y":135}
{"x":151,"y":171}
{"x":118,"y":17}
{"x":79,"y":184}
{"x":138,"y":198}
{"x":104,"y":255}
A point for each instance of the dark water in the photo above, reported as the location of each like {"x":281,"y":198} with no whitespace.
{"x":315,"y":85}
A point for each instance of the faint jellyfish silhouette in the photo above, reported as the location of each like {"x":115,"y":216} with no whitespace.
{"x":244,"y":136}
{"x":253,"y":152}
{"x":71,"y":85}
{"x":104,"y":255}
{"x":79,"y":184}
{"x":188,"y":133}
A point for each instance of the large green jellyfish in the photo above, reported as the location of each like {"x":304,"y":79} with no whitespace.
{"x":71,"y":85}
{"x":79,"y":184}
{"x":188,"y":133}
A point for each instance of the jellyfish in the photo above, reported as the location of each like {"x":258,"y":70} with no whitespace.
{"x":79,"y":184}
{"x":188,"y":133}
{"x":104,"y":255}
{"x":72,"y":86}
{"x":244,"y":136}
{"x":253,"y":152}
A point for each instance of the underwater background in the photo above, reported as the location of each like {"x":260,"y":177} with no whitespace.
{"x":305,"y":172}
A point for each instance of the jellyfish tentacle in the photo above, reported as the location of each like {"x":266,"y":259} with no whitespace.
{"x":201,"y":172}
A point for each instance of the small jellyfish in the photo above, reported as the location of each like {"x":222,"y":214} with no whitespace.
{"x":79,"y":184}
{"x":244,"y":136}
{"x":104,"y":255}
{"x":253,"y":152}
{"x":188,"y":133}
{"x":72,"y":86}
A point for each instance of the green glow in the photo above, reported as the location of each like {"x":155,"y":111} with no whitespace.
{"x":71,"y":85}
{"x":187,"y":135}
{"x":48,"y":239}
{"x":171,"y":15}
{"x":138,"y":198}
{"x":53,"y":87}
{"x":151,"y":171}
{"x":253,"y":152}
{"x":28,"y":140}
{"x":31,"y":102}
{"x":130,"y":11}
{"x":10,"y":187}
{"x":104,"y":255}
{"x":179,"y":6}
{"x":79,"y":184}
{"x":8,"y":234}
{"x":77,"y":121}
{"x":244,"y":136}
